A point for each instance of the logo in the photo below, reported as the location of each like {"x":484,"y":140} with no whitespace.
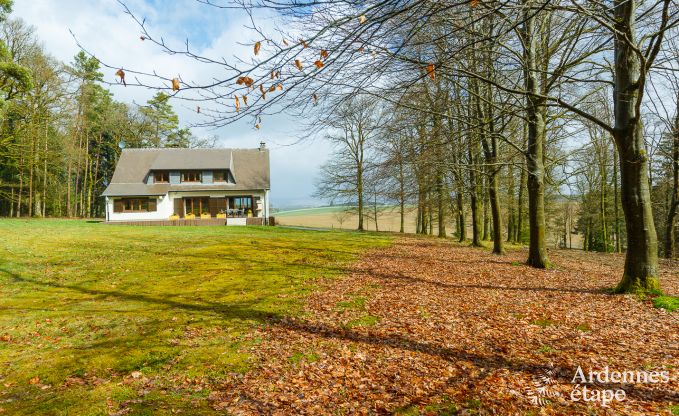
{"x":593,"y":386}
{"x":544,"y":387}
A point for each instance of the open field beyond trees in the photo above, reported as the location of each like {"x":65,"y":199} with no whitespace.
{"x":98,"y":319}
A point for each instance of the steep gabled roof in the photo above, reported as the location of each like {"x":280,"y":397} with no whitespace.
{"x":250,"y":168}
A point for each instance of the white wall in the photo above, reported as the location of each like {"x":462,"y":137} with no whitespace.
{"x":163,"y":211}
{"x":165,"y":206}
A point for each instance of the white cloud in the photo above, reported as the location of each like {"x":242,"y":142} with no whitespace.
{"x":103,"y":28}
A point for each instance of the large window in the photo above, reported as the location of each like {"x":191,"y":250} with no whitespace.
{"x":191,"y":176}
{"x":220,"y":176}
{"x":240,"y":202}
{"x":197,"y":206}
{"x":136,"y":205}
{"x":161,"y":177}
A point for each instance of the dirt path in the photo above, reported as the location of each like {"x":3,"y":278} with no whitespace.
{"x":436,"y":328}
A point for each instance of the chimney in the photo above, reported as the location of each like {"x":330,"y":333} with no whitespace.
{"x":262,"y":146}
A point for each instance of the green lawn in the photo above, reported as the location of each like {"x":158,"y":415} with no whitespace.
{"x":94,"y":316}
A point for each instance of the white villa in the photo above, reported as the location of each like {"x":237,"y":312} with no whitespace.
{"x":190,"y":186}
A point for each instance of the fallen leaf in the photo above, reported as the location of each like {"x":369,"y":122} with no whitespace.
{"x":431,"y":71}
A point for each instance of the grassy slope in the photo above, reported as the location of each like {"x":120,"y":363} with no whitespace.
{"x":84,"y":305}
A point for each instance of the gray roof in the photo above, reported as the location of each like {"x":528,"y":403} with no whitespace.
{"x":250,"y":168}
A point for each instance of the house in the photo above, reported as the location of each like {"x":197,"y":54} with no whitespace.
{"x":222,"y":185}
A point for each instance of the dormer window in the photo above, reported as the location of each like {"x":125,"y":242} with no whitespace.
{"x":220,"y":176}
{"x":191,"y":176}
{"x":161,"y":177}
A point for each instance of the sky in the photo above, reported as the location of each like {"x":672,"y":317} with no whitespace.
{"x":104,"y":29}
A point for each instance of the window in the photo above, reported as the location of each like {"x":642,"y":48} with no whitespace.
{"x":220,"y":176}
{"x":191,"y":176}
{"x":161,"y":177}
{"x":197,"y":206}
{"x":240,"y":202}
{"x":137,"y":205}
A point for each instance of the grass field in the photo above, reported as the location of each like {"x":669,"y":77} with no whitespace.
{"x":95,"y":318}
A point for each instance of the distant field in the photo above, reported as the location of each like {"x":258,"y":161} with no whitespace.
{"x":333,"y":217}
{"x":310,"y":211}
{"x":102,"y":319}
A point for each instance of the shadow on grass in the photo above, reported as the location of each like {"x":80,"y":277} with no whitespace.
{"x":244,"y":310}
{"x":398,"y":276}
{"x":240,"y":310}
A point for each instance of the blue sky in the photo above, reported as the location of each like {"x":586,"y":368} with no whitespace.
{"x":103,"y":28}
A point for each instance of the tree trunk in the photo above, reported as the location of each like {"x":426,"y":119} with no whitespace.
{"x":616,"y":198}
{"x":401,"y":195}
{"x":475,"y":203}
{"x":462,"y":226}
{"x":535,"y":113}
{"x":510,"y":203}
{"x":670,"y":233}
{"x":641,"y":261}
{"x":441,"y":206}
{"x":520,"y":202}
{"x":359,"y":195}
{"x":602,"y":201}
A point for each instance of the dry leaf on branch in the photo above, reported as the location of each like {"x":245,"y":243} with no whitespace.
{"x":304,"y":44}
{"x":298,"y":64}
{"x":175,"y":84}
{"x":319,"y":64}
{"x":237,"y":103}
{"x":256,"y":48}
{"x":280,"y":87}
{"x":245,"y":99}
{"x":247,"y":81}
{"x":324,"y":54}
{"x":120,"y":73}
{"x":285,"y":42}
{"x":362,"y":19}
